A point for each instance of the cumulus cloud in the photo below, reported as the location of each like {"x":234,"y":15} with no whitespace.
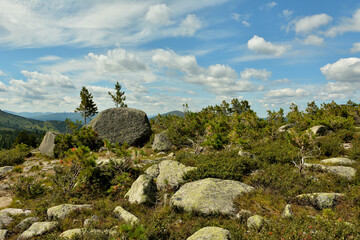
{"x":117,"y":60}
{"x":260,"y":46}
{"x":344,"y":70}
{"x":313,"y":40}
{"x":346,"y":25}
{"x":53,"y":79}
{"x":3,"y":87}
{"x":286,"y":93}
{"x":338,"y":90}
{"x":159,"y":14}
{"x":308,"y":24}
{"x":354,"y":49}
{"x":251,"y":73}
{"x":217,"y":78}
{"x":189,"y":26}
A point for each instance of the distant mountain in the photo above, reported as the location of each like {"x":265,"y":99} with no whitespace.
{"x":28,"y":114}
{"x":49,"y":116}
{"x":177,"y":113}
{"x":10,"y":122}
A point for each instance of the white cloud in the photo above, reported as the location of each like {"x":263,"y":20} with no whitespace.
{"x":354,"y":49}
{"x":271,"y":4}
{"x":49,"y":58}
{"x":308,"y":24}
{"x":188,"y":26}
{"x":346,"y":25}
{"x":251,"y":73}
{"x":2,"y":73}
{"x":313,"y":40}
{"x":260,"y":46}
{"x":159,"y":14}
{"x":241,"y":18}
{"x":344,"y":70}
{"x":236,"y":17}
{"x":53,"y":79}
{"x":286,"y":93}
{"x":3,"y":87}
{"x":287,"y":13}
{"x":285,"y":80}
{"x":245,"y":23}
{"x":338,"y":90}
{"x":218,"y":78}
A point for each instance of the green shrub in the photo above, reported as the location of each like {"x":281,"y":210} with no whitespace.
{"x":278,"y":151}
{"x":331,"y":146}
{"x":223,"y":165}
{"x":85,"y":136}
{"x":28,"y":188}
{"x":14,"y":156}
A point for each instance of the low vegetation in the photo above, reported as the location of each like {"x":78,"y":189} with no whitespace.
{"x":211,"y":141}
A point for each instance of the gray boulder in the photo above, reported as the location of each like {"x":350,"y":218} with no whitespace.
{"x":48,"y":144}
{"x":5,"y":201}
{"x":15,"y":211}
{"x":5,"y":170}
{"x":171,"y":174}
{"x":37,"y":229}
{"x":63,"y":210}
{"x":161,"y":142}
{"x":211,"y":233}
{"x":287,"y":213}
{"x":339,"y":160}
{"x":5,"y":220}
{"x":285,"y":127}
{"x":122,"y":125}
{"x":126,"y":216}
{"x":142,"y":191}
{"x":346,"y":172}
{"x":153,"y":171}
{"x":90,"y":221}
{"x":3,"y":233}
{"x":209,"y":196}
{"x":319,"y":200}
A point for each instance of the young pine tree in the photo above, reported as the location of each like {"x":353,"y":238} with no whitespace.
{"x":87,"y":106}
{"x":118,"y":97}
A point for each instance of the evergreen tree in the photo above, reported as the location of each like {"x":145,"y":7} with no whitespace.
{"x":118,"y":97}
{"x":87,"y":106}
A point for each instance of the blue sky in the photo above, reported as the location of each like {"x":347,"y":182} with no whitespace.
{"x":168,"y":53}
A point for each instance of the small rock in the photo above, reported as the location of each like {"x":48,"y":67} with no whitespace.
{"x":171,"y":154}
{"x":5,"y":170}
{"x":25,"y":224}
{"x":161,"y":153}
{"x":287,"y":213}
{"x":15,"y":211}
{"x":62,"y":211}
{"x":243,"y":214}
{"x":142,"y":191}
{"x":211,"y":233}
{"x":5,"y":201}
{"x":90,"y":221}
{"x":319,"y":200}
{"x":347,"y":146}
{"x":5,"y":220}
{"x":161,"y":142}
{"x":255,"y":222}
{"x":37,"y":229}
{"x":126,"y":216}
{"x":71,"y":233}
{"x":3,"y":233}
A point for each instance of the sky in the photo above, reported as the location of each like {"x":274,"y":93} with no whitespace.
{"x":169,"y":53}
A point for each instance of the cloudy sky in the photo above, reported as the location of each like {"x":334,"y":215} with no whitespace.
{"x":168,"y":53}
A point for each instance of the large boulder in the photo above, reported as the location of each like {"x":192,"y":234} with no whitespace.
{"x":213,"y":233}
{"x":161,"y":142}
{"x":319,"y":130}
{"x":126,"y":216}
{"x":142,"y":191}
{"x":171,"y":174}
{"x":48,"y":144}
{"x":37,"y":229}
{"x":345,"y":172}
{"x":339,"y":160}
{"x":285,"y":127}
{"x":120,"y":125}
{"x":209,"y":196}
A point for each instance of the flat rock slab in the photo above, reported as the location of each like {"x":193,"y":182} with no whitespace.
{"x":37,"y":229}
{"x":319,"y":200}
{"x":142,"y":191}
{"x":5,"y":170}
{"x":5,"y":201}
{"x":211,"y":233}
{"x":209,"y":196}
{"x":62,"y":211}
{"x":346,"y":172}
{"x":126,"y":216}
{"x":171,"y":174}
{"x":15,"y":211}
{"x":339,"y":160}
